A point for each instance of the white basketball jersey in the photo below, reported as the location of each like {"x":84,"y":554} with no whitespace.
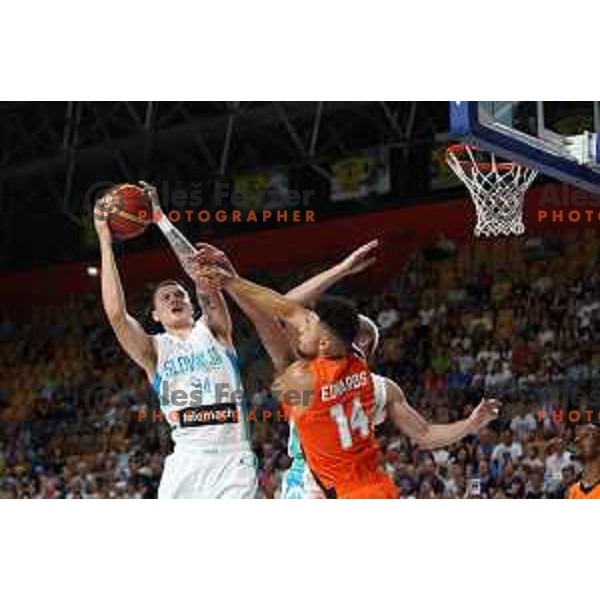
{"x":380,"y":398}
{"x":199,"y":386}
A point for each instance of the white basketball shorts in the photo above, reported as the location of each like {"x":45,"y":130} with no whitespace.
{"x":191,"y":473}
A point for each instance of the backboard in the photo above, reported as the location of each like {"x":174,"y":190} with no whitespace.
{"x":559,"y":139}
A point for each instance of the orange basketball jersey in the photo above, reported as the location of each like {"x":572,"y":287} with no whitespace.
{"x":578,"y":491}
{"x":337,"y":432}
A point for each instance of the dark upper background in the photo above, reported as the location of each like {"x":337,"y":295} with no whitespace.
{"x":53,"y":156}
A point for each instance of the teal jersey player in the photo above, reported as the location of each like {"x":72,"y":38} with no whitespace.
{"x":298,"y":482}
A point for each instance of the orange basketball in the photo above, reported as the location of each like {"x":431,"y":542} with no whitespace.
{"x":132,"y":212}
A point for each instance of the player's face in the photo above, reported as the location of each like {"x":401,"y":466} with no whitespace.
{"x":309,"y":336}
{"x":173,"y":307}
{"x":588,"y":442}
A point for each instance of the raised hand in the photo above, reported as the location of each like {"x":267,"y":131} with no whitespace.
{"x":484,"y":413}
{"x":103,"y":209}
{"x":209,"y":277}
{"x":207,"y":254}
{"x":209,"y":267}
{"x":152,"y":193}
{"x":360,"y":259}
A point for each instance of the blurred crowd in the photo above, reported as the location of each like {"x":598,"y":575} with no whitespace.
{"x":515,"y":319}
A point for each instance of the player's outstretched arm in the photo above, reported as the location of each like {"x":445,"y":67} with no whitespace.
{"x":183,"y":249}
{"x":216,"y":314}
{"x":309,"y":291}
{"x":214,"y":307}
{"x":268,"y":301}
{"x":269,"y":330}
{"x":214,"y":265}
{"x":429,"y":436}
{"x":215,"y":311}
{"x":132,"y":337}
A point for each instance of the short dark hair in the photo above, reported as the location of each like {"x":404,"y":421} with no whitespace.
{"x":340,"y":315}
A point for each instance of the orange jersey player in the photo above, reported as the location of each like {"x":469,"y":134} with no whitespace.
{"x":281,"y":345}
{"x":588,"y":452}
{"x":328,"y":393}
{"x":335,"y":417}
{"x":322,"y":338}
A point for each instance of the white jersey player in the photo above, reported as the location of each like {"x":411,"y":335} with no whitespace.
{"x":198,"y":383}
{"x":193,"y":367}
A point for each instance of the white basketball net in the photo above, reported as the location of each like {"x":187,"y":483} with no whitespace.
{"x":497,"y":189}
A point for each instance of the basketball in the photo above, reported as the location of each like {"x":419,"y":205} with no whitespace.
{"x":132,"y":208}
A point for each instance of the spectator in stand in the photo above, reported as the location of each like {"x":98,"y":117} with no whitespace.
{"x":517,"y":488}
{"x":387,"y":318}
{"x":569,"y":476}
{"x":535,"y":488}
{"x":558,"y":459}
{"x":508,"y":449}
{"x":427,"y":474}
{"x":523,"y":424}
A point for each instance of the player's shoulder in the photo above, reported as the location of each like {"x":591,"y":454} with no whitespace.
{"x":299,"y":368}
{"x":579,"y":490}
{"x":378,"y":380}
{"x":201,"y":326}
{"x":201,"y":332}
{"x":380,"y":394}
{"x":298,"y":376}
{"x":295,"y":369}
{"x":206,"y":333}
{"x":158,"y":341}
{"x":574,"y":491}
{"x":392,"y":389}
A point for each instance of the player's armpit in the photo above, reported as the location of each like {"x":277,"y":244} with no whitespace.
{"x":270,"y":331}
{"x":136,"y":342}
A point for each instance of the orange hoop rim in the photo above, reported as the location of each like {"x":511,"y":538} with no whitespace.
{"x":457,"y":150}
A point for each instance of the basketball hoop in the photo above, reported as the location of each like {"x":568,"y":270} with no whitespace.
{"x":497,"y":189}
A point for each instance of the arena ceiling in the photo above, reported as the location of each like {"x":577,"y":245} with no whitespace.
{"x":52,"y":152}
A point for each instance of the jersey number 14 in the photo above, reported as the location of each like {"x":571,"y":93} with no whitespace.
{"x":358,"y":422}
